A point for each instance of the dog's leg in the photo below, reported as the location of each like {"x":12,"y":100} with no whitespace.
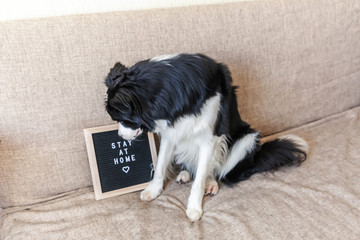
{"x":156,"y":185}
{"x":194,"y":208}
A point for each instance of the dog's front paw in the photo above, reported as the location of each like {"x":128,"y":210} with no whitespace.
{"x":194,"y":214}
{"x":151,"y":192}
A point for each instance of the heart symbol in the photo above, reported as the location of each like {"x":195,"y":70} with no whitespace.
{"x":126,"y":169}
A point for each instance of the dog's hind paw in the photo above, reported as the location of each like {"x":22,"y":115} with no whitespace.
{"x":183,"y":177}
{"x":211,"y":187}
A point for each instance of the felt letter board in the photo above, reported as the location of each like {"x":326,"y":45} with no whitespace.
{"x":119,"y":166}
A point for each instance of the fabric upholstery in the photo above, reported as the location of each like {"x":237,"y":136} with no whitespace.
{"x":318,"y":200}
{"x":295,"y":62}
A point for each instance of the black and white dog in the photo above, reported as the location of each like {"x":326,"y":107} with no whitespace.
{"x":189,"y":100}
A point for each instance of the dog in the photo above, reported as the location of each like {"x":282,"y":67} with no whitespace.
{"x":189,"y":100}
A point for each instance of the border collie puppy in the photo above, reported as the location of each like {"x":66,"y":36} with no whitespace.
{"x":189,"y":100}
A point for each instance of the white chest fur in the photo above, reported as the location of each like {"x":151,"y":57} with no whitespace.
{"x":191,"y":131}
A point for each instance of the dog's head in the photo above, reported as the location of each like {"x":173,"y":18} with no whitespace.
{"x":153,"y":94}
{"x":125,"y":102}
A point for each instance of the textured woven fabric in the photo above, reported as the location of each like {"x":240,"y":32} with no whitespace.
{"x":318,"y":200}
{"x":295,"y":62}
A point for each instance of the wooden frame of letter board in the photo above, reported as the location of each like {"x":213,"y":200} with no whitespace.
{"x":94,"y":167}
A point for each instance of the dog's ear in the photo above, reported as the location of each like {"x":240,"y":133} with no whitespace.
{"x":115,"y":73}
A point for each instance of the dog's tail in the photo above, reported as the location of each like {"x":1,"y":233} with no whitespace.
{"x":284,"y":151}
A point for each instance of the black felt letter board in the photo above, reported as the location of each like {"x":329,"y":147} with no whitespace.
{"x":120,"y":164}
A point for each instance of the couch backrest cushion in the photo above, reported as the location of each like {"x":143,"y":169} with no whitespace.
{"x":295,"y":61}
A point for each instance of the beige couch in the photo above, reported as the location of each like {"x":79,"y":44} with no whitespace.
{"x":298,"y":67}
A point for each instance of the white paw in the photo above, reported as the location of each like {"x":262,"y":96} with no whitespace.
{"x":183,"y":177}
{"x":211,"y":187}
{"x":194,"y":214}
{"x":150,"y":193}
